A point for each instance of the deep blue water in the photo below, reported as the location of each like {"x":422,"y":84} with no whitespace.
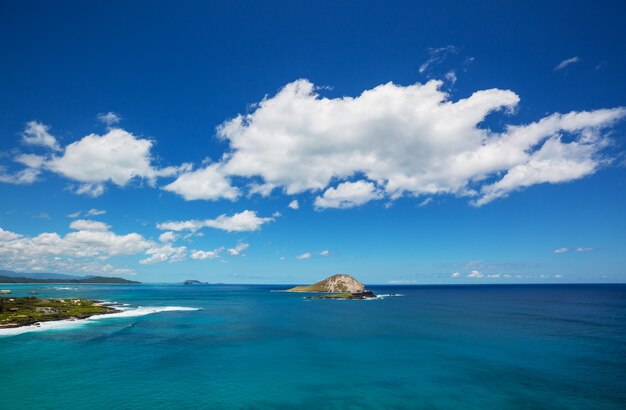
{"x":436,"y":347}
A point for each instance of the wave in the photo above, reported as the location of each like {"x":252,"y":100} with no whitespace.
{"x":73,"y":323}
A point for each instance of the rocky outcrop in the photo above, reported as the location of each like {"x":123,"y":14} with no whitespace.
{"x":336,"y":283}
{"x":368,"y":294}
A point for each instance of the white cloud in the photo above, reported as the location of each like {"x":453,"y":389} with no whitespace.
{"x":25,"y":176}
{"x":117,"y":156}
{"x":305,"y":255}
{"x":241,"y":222}
{"x":394,"y":140}
{"x":565,"y":250}
{"x":567,"y":62}
{"x":348,"y":195}
{"x":166,"y":252}
{"x":294,"y":204}
{"x":92,"y":190}
{"x":207,"y":183}
{"x":456,"y":275}
{"x":30,"y":160}
{"x":37,"y":134}
{"x":425,"y":202}
{"x":91,"y":212}
{"x":408,"y":140}
{"x":436,"y":56}
{"x":201,"y":255}
{"x":168,"y":237}
{"x":109,"y":119}
{"x":325,"y":253}
{"x":88,"y":225}
{"x":451,"y":77}
{"x":6,"y":236}
{"x":86,"y":249}
{"x":240,"y":247}
{"x":475,"y":274}
{"x":95,"y":212}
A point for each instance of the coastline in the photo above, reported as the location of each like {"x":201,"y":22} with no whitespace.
{"x":62,"y":324}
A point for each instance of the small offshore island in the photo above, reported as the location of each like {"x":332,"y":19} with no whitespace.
{"x":26,"y":311}
{"x":340,"y":286}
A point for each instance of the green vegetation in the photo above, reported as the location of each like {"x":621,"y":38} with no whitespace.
{"x":93,"y":280}
{"x":15,"y":312}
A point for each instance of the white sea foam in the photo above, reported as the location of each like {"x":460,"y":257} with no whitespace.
{"x":73,"y":323}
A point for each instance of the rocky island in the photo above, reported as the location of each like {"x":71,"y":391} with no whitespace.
{"x":25,"y":311}
{"x":339,"y":286}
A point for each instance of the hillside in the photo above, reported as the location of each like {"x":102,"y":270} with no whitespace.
{"x":92,"y":280}
{"x":335,"y":283}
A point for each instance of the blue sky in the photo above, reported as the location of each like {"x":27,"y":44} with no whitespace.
{"x":423,"y":143}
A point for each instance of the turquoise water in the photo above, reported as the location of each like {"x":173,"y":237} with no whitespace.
{"x":435,"y":347}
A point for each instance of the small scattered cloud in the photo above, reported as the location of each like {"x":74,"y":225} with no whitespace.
{"x":425,"y":202}
{"x":456,"y":275}
{"x":436,"y":56}
{"x":305,"y":255}
{"x":168,"y":236}
{"x":208,"y":183}
{"x":566,"y":250}
{"x":164,"y":253}
{"x":37,"y":134}
{"x":23,"y":177}
{"x":237,"y":249}
{"x":475,"y":274}
{"x":567,"y":62}
{"x":325,"y":253}
{"x":294,"y":204}
{"x":451,"y":77}
{"x":109,"y":119}
{"x":89,"y":225}
{"x":95,"y":212}
{"x":245,"y":221}
{"x":202,"y":255}
{"x":348,"y":195}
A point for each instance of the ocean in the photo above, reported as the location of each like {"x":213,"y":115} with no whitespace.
{"x":245,"y":347}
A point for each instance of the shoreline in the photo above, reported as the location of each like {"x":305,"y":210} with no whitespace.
{"x":110,"y":309}
{"x":68,"y":323}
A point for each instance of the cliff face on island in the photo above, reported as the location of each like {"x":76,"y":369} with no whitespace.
{"x":335,"y":283}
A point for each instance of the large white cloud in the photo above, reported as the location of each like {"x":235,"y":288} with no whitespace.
{"x":86,"y":249}
{"x":240,"y":222}
{"x":408,"y":140}
{"x":93,"y":161}
{"x":117,"y":156}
